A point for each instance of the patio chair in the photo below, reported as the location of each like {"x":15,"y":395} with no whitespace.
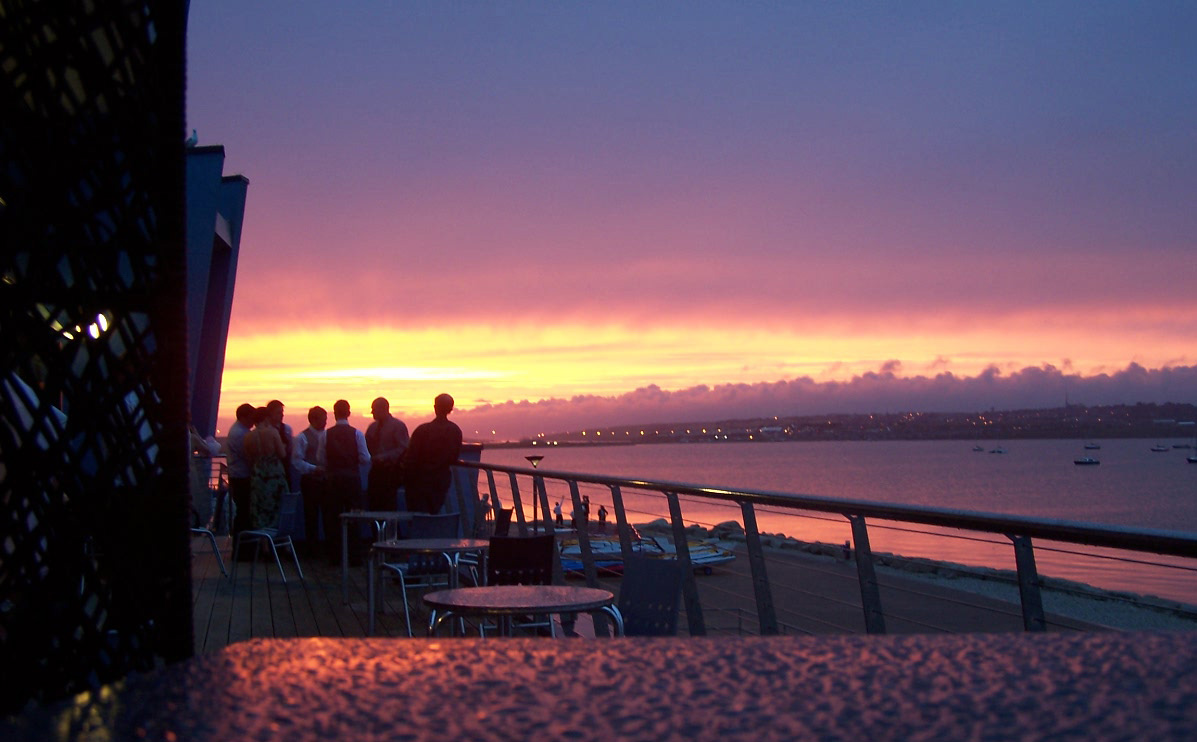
{"x":649,"y":595}
{"x":522,"y":560}
{"x":201,"y":505}
{"x":197,"y":531}
{"x":421,"y":570}
{"x":277,"y":538}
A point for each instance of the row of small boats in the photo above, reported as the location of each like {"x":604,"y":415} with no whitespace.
{"x":1091,"y":461}
{"x":1157,"y":448}
{"x":608,"y":554}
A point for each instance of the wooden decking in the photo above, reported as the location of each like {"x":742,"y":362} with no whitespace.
{"x":811,"y":597}
{"x":259,"y":604}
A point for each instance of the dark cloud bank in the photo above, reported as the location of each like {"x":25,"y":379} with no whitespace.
{"x":880,"y":391}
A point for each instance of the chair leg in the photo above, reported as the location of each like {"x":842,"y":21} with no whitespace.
{"x":279,"y":562}
{"x":294,"y":556}
{"x":215,"y":547}
{"x":406,"y":610}
{"x":216,"y":551}
{"x":371,"y":570}
{"x":236,"y":551}
{"x":253,"y":565}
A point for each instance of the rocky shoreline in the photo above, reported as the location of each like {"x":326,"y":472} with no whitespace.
{"x":1115,"y":609}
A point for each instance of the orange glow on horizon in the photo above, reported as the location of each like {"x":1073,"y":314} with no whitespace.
{"x":481,"y":365}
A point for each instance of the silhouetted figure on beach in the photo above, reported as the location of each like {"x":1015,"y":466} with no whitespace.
{"x":308,"y":461}
{"x":557,"y":514}
{"x":387,"y":440}
{"x":602,"y":515}
{"x":435,"y":446}
{"x":345,"y":454}
{"x":239,"y":470}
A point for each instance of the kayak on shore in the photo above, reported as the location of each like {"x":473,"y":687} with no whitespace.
{"x":608,"y":555}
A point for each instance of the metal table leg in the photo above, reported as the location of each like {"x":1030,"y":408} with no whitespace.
{"x":344,"y":561}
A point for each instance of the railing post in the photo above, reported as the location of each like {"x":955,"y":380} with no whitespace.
{"x":760,"y":580}
{"x":1028,"y":585}
{"x":517,"y":505}
{"x":495,"y":505}
{"x":694,"y":617}
{"x":621,"y":523}
{"x":866,"y":575}
{"x":583,"y":531}
{"x":586,"y":553}
{"x":539,"y":490}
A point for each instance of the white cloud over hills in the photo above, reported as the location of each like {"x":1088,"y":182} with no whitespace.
{"x":882,"y":391}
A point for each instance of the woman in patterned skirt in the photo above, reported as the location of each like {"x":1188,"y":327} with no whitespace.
{"x":268,"y":483}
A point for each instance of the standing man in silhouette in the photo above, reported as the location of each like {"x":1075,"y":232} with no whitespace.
{"x":239,"y":471}
{"x":435,"y":446}
{"x":307,"y":459}
{"x":387,"y":440}
{"x":344,"y":453}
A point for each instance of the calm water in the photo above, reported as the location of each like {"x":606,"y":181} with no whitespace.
{"x":1133,"y":486}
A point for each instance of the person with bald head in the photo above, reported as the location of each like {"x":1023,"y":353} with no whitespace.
{"x":386,"y":438}
{"x":434,"y":447}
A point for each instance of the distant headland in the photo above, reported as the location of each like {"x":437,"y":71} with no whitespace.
{"x":1143,"y":420}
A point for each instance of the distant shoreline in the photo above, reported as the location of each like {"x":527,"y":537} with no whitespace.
{"x":1165,"y":421}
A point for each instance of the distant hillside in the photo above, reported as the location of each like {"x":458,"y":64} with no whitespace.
{"x":1171,"y":420}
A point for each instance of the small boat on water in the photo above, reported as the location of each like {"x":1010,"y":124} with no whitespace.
{"x":1161,"y":448}
{"x":999,"y":449}
{"x":1086,"y":461}
{"x":1092,"y":446}
{"x":978,"y":448}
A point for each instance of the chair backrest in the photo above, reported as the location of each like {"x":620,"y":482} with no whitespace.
{"x":516,"y":560}
{"x":422,"y":525}
{"x":649,"y":595}
{"x":429,"y":526}
{"x":289,"y":518}
{"x":503,"y":521}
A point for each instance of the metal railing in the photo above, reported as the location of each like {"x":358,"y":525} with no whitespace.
{"x":1020,"y":531}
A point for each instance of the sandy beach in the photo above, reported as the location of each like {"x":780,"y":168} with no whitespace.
{"x":1115,"y":610}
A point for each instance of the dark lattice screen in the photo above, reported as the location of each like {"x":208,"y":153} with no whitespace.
{"x":94,"y":559}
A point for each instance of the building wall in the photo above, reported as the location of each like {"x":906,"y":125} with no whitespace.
{"x":215,"y":212}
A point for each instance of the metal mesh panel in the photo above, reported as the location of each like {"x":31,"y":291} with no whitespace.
{"x":94,"y":564}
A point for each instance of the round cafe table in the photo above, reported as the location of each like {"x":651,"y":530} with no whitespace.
{"x":505,"y":601}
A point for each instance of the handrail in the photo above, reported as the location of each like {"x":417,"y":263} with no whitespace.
{"x":1156,"y":541}
{"x":1020,"y":530}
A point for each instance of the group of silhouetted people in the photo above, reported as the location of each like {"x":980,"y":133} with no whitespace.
{"x":327,"y":464}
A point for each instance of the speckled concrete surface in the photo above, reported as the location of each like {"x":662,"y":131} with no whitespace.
{"x":1134,"y":686}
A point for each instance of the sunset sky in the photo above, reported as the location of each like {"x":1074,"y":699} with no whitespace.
{"x":582,"y":214}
